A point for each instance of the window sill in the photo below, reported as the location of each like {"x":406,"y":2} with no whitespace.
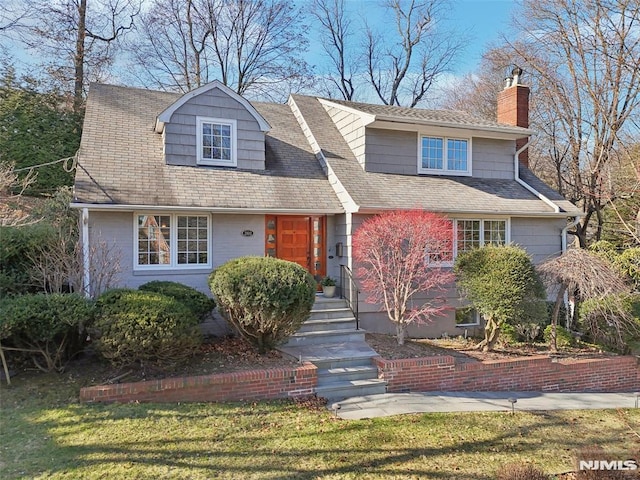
{"x":172,"y":271}
{"x":448,"y":173}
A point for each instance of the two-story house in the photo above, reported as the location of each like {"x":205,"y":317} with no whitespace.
{"x":179,"y":184}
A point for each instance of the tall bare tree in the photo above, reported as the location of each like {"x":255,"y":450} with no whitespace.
{"x":585,"y":55}
{"x":80,"y":38}
{"x":336,"y":34}
{"x":252,"y":46}
{"x":171,"y":49}
{"x":402,"y":68}
{"x":477,"y":92}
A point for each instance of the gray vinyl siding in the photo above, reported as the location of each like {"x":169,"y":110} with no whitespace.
{"x":391,"y":151}
{"x":394,"y":151}
{"x":492,"y":158}
{"x":350,"y":126}
{"x":541,"y":237}
{"x":116,"y":230}
{"x":180,"y":132}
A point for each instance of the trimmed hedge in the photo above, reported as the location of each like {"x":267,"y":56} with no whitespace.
{"x":17,"y":246}
{"x":266,"y":299}
{"x":50,"y":327}
{"x":196,"y":301}
{"x":137,"y":326}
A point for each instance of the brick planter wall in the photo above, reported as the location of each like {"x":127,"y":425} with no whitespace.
{"x":249,"y":385}
{"x":541,"y":373}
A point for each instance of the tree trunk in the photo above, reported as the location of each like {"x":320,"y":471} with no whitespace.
{"x":401,"y":330}
{"x":491,"y":333}
{"x":553,"y":344}
{"x":78,"y":61}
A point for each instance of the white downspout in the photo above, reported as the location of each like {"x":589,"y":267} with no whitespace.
{"x":556,"y":209}
{"x":86,"y":271}
{"x":516,"y":167}
{"x":565,"y":231}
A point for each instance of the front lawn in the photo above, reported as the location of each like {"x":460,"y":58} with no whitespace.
{"x":45,"y":433}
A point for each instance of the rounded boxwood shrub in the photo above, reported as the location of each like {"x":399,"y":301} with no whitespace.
{"x":50,"y":327}
{"x":137,"y":326}
{"x":194,"y":300}
{"x":266,"y":299}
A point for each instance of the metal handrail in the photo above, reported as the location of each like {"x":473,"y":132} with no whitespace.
{"x":346,"y":279}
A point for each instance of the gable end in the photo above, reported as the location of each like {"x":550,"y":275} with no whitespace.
{"x":165,"y":116}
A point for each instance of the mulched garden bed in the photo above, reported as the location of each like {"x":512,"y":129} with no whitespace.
{"x":233,"y":354}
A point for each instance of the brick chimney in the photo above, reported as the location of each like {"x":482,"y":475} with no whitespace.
{"x":513,"y":108}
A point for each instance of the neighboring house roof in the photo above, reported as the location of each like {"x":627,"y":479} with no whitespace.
{"x":443,"y":118}
{"x":121,"y":161}
{"x":447,"y":194}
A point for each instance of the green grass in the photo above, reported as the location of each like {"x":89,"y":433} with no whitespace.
{"x":45,"y":433}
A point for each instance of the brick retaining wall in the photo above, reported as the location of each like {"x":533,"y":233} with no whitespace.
{"x":540,"y":373}
{"x":248,"y":385}
{"x":439,"y":373}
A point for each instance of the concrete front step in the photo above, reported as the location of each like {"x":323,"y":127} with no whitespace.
{"x":352,"y":388}
{"x":322,"y":299}
{"x":340,"y":354}
{"x":325,"y":337}
{"x":347,"y":323}
{"x":329,"y":313}
{"x":359,"y":372}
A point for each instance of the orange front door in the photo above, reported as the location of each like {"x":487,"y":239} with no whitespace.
{"x":299,"y":239}
{"x":294,"y":240}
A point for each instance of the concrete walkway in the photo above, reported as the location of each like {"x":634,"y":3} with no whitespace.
{"x":398,"y":403}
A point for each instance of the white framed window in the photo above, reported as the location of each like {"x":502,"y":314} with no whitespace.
{"x":444,"y":155}
{"x":175,"y":241}
{"x":474,"y":233}
{"x":216,"y":142}
{"x":467,"y":317}
{"x":468,"y":234}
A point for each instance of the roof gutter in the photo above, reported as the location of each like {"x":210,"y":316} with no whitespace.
{"x":546,"y":200}
{"x":173,"y":208}
{"x":516,"y":166}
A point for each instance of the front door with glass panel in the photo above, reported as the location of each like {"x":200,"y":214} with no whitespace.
{"x":299,"y":239}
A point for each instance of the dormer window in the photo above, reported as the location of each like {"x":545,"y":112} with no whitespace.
{"x":217,"y":142}
{"x":444,"y":156}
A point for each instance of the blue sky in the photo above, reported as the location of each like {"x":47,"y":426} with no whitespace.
{"x":483,"y":20}
{"x":486,"y":20}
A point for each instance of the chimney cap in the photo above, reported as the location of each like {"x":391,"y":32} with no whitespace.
{"x":517,"y":71}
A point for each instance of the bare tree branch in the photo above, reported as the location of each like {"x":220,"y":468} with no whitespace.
{"x":12,"y":212}
{"x":80,"y":38}
{"x":335,"y":35}
{"x":403,"y":72}
{"x":585,"y":56}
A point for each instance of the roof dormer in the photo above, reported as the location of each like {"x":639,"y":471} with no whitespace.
{"x":213,"y":126}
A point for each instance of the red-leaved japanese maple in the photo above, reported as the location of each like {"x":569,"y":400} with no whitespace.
{"x":399,"y":260}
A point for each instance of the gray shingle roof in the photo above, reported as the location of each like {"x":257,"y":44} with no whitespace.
{"x":447,"y":194}
{"x":435,"y":117}
{"x":121,"y":161}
